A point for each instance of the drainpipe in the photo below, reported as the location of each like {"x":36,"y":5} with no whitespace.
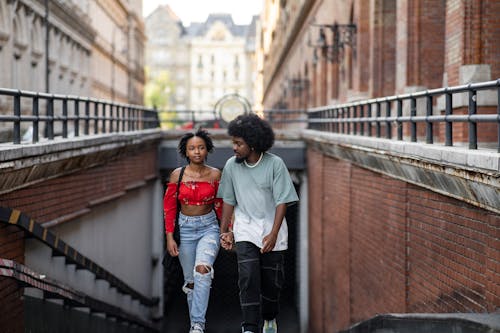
{"x":47,"y":44}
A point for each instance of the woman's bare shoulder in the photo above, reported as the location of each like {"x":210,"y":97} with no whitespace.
{"x":174,"y":176}
{"x":214,"y":173}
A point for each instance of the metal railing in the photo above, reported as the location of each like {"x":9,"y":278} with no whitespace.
{"x":412,"y":116}
{"x":190,"y":119}
{"x":64,"y":115}
{"x":53,"y":289}
{"x":72,"y":256}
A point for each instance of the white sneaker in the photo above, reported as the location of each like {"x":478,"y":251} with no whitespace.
{"x":196,"y":328}
{"x":270,"y":326}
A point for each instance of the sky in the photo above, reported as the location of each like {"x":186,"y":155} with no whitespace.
{"x":198,"y":10}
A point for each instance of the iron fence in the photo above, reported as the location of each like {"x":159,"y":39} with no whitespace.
{"x":467,"y":114}
{"x":189,"y":119}
{"x":66,"y":116}
{"x":460,"y":115}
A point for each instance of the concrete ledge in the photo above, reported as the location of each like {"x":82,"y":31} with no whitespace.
{"x":25,"y":164}
{"x":487,"y":160}
{"x":429,"y":323}
{"x":470,"y":176}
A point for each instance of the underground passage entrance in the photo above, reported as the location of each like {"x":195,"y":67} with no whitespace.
{"x":223,"y":313}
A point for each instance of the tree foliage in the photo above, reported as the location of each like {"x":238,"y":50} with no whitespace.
{"x":159,"y":94}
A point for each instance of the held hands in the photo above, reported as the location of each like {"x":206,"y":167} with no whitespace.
{"x":268,"y":243}
{"x":172,"y":248}
{"x":227,"y":240}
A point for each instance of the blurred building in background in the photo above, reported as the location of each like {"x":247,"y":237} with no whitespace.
{"x":89,"y":48}
{"x":167,"y":58}
{"x":202,"y":62}
{"x":316,"y":53}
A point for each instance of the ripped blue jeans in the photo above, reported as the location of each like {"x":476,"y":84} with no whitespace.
{"x":199,"y":247}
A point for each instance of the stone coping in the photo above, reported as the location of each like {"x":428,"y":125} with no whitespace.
{"x":484,"y":160}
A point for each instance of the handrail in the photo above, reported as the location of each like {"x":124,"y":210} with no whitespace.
{"x":55,"y":289}
{"x":61,"y":248}
{"x":370,"y":117}
{"x":88,"y":114}
{"x":377,"y":117}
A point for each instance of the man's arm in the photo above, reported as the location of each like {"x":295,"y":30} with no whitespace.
{"x":227,"y":238}
{"x":269,"y":241}
{"x":227,"y":214}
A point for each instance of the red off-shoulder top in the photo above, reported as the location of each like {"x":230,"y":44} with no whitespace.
{"x":190,"y":193}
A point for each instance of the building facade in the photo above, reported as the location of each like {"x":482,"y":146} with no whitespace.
{"x":205,"y":61}
{"x":318,"y":53}
{"x":90,"y":48}
{"x":167,"y":54}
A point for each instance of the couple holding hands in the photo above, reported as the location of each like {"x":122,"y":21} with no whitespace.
{"x":249,"y":198}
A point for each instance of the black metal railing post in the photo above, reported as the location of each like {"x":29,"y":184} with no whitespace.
{"x":342,"y":121}
{"x":50,"y":117}
{"x":36,"y":113}
{"x":86,"y":127}
{"x":369,"y":116}
{"x":17,"y":119}
{"x":96,"y":117}
{"x":472,"y":123}
{"x":65,"y":117}
{"x":361,"y":116}
{"x":124,"y":117}
{"x":76,"y":122}
{"x":103,"y":118}
{"x":355,"y":116}
{"x":413,"y":123}
{"x":388,"y":128}
{"x":130,"y":125}
{"x":112,"y":117}
{"x":429,"y":133}
{"x":377,"y":115}
{"x":448,"y":124}
{"x":398,"y":118}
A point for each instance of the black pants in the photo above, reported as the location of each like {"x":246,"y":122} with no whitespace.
{"x":260,"y":279}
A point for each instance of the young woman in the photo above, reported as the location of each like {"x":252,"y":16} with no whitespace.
{"x":198,"y":225}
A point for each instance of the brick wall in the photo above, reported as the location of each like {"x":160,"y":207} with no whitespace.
{"x":490,"y":36}
{"x":380,"y":245}
{"x":336,"y":236}
{"x":316,"y":269}
{"x":400,"y":46}
{"x":377,"y":256}
{"x":11,"y":305}
{"x":62,"y":196}
{"x":450,"y":245}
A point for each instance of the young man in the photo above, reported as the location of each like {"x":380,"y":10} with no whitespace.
{"x":257,"y":188}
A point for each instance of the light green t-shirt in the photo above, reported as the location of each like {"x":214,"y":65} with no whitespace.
{"x":255,"y":193}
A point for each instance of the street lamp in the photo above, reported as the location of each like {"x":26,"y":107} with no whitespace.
{"x":342,"y":35}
